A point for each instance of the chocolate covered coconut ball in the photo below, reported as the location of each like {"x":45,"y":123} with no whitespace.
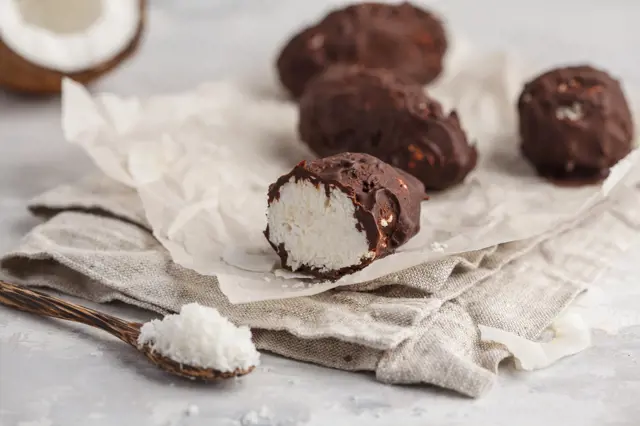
{"x":374,"y":111}
{"x":399,"y":37}
{"x":575,"y":124}
{"x":336,"y":215}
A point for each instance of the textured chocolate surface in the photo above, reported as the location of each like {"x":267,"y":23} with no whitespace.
{"x":400,"y":37}
{"x":575,"y":124}
{"x":355,"y":109}
{"x":387,"y":202}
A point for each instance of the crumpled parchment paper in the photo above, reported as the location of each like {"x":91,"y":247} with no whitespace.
{"x":202,"y":161}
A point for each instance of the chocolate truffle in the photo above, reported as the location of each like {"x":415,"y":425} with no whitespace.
{"x":399,"y":37}
{"x":336,"y":215}
{"x":357,"y":109}
{"x":575,"y":124}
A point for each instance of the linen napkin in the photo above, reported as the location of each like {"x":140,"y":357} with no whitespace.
{"x":416,"y":326}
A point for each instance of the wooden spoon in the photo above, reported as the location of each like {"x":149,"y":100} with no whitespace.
{"x":42,"y":304}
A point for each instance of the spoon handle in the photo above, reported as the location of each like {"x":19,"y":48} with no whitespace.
{"x":42,"y":304}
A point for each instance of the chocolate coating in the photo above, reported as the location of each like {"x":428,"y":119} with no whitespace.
{"x":575,"y":124}
{"x":399,"y":37}
{"x":355,"y":109}
{"x":387,"y":202}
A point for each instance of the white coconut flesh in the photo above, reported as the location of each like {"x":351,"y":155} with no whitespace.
{"x":316,"y":230}
{"x":68,"y":35}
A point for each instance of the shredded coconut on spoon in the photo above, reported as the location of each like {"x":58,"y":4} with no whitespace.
{"x":200,"y":337}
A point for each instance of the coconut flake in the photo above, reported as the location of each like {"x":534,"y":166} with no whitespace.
{"x":573,"y":112}
{"x":199,"y":336}
{"x":571,"y":336}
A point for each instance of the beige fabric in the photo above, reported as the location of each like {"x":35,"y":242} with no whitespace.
{"x":418,"y":326}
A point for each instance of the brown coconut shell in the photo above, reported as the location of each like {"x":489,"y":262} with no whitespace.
{"x":19,"y":75}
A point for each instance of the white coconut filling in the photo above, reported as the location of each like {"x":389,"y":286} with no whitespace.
{"x":68,"y":35}
{"x":200,"y":337}
{"x":572,"y":113}
{"x":316,"y":230}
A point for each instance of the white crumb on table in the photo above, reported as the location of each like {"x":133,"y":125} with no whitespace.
{"x":439,"y":247}
{"x":254,"y":417}
{"x":199,"y":336}
{"x":265,"y":413}
{"x":193,"y":410}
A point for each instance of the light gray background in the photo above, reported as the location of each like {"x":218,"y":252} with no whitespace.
{"x":56,"y":374}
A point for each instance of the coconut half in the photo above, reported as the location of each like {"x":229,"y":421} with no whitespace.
{"x":42,"y":41}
